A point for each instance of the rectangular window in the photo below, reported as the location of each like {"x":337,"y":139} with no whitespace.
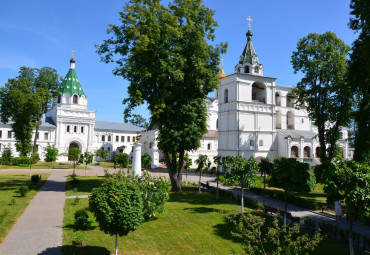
{"x":117,"y":138}
{"x":46,"y":136}
{"x":68,"y":129}
{"x":109,"y":138}
{"x":10,"y":134}
{"x":123,"y":139}
{"x":1,"y":133}
{"x":252,"y":143}
{"x":133,"y":139}
{"x":82,"y":130}
{"x":128,"y":139}
{"x":75,"y":129}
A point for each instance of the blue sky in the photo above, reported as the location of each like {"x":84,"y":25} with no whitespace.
{"x":42,"y":33}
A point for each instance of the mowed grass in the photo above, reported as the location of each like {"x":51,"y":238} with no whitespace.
{"x":193,"y":223}
{"x":9,"y":184}
{"x":43,"y":165}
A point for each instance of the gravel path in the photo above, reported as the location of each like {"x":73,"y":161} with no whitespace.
{"x":40,"y":228}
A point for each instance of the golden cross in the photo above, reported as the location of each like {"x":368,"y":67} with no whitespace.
{"x":73,"y":53}
{"x":249,"y":20}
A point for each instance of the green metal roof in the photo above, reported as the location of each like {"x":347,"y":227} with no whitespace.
{"x":249,"y":54}
{"x":71,"y":84}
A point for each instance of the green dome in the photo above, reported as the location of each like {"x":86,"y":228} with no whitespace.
{"x":71,"y":84}
{"x":249,"y":34}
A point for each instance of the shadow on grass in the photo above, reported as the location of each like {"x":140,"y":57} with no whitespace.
{"x":84,"y":185}
{"x":202,"y":209}
{"x":71,"y":226}
{"x":72,"y":250}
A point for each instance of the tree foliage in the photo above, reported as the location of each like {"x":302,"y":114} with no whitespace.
{"x":121,"y":159}
{"x":146,"y":160}
{"x":24,"y":100}
{"x":102,"y":154}
{"x":51,"y":154}
{"x":265,"y":167}
{"x":292,"y":176}
{"x":118,"y":207}
{"x":138,"y":120}
{"x":202,"y":162}
{"x":243,"y":171}
{"x":163,"y":52}
{"x":73,"y":153}
{"x":275,"y":239}
{"x":323,"y":90}
{"x":348,"y":181}
{"x":359,"y":76}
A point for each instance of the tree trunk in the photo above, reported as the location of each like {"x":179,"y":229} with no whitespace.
{"x":218,"y":175}
{"x":116,"y":250}
{"x":242,"y":202}
{"x":200,"y":178}
{"x":285,"y":206}
{"x":174,"y":172}
{"x":186,"y":180}
{"x":38,"y":122}
{"x":350,"y":236}
{"x":264,"y":181}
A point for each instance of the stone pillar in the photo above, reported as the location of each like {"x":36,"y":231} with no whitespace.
{"x":136,"y":162}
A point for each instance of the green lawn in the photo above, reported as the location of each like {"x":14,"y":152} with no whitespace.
{"x":43,"y":165}
{"x":9,"y":184}
{"x":192,"y":224}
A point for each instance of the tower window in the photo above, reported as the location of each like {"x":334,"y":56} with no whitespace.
{"x":67,"y":129}
{"x":82,"y":130}
{"x":75,"y":129}
{"x":103,"y":138}
{"x":1,"y":133}
{"x":246,"y":69}
{"x":59,"y":100}
{"x":256,"y":69}
{"x":109,"y":138}
{"x":209,"y":146}
{"x":117,"y":138}
{"x":226,"y":96}
{"x":10,"y":134}
{"x":75,"y":99}
{"x":46,"y":136}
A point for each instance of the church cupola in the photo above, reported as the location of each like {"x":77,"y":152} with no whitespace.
{"x":71,"y":92}
{"x":248,"y":62}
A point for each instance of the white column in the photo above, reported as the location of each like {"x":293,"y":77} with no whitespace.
{"x":136,"y":163}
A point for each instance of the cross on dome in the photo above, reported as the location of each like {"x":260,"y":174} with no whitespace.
{"x":249,"y":20}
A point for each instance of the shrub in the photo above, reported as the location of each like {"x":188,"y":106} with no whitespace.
{"x":6,"y":157}
{"x":80,"y":239}
{"x":23,"y":190}
{"x":35,"y":178}
{"x":309,"y":225}
{"x":77,"y":201}
{"x":81,"y":219}
{"x":12,"y":202}
{"x":35,"y":158}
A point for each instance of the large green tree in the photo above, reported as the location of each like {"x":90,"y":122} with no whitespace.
{"x":292,"y":176}
{"x":323,"y":90}
{"x":359,"y":75}
{"x":348,"y":181}
{"x":164,"y":52}
{"x":138,"y":120}
{"x":24,"y":100}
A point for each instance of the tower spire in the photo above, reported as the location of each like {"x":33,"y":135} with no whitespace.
{"x":72,"y":61}
{"x":222,"y":74}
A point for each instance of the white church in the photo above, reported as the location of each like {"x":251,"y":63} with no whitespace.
{"x":250,"y":116}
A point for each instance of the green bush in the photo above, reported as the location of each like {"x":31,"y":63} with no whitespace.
{"x":79,"y":239}
{"x":23,"y":190}
{"x":6,"y":157}
{"x":35,"y":178}
{"x":35,"y":158}
{"x":22,"y":160}
{"x":77,"y":201}
{"x":81,"y":219}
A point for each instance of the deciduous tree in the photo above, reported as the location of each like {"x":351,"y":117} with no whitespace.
{"x":265,"y":167}
{"x":51,"y":154}
{"x":359,"y":76}
{"x":73,"y":155}
{"x":164,"y":52}
{"x":348,"y":181}
{"x":139,"y":121}
{"x":146,"y":160}
{"x":323,"y":90}
{"x":187,"y":164}
{"x":24,"y":100}
{"x":292,"y":176}
{"x":88,"y":158}
{"x":202,"y":162}
{"x":243,"y":171}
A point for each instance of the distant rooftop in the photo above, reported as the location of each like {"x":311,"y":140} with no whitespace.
{"x":297,"y":134}
{"x":108,"y":125}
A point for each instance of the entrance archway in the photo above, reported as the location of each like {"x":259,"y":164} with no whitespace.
{"x":74,"y":145}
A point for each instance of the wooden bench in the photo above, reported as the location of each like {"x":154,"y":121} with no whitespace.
{"x":61,"y":166}
{"x":272,"y":210}
{"x":205,"y":186}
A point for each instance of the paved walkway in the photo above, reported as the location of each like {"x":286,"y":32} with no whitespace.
{"x":40,"y":228}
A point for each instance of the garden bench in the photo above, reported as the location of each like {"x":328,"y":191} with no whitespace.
{"x":288,"y":214}
{"x":61,"y":166}
{"x":205,"y":186}
{"x":269,"y":209}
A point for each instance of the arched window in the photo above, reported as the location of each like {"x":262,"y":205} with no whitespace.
{"x":289,"y":100}
{"x":150,"y":145}
{"x":258,"y":92}
{"x":256,"y":69}
{"x":75,"y":99}
{"x":217,"y":124}
{"x":108,"y":148}
{"x":246,"y":69}
{"x":294,"y":152}
{"x":307,"y":152}
{"x":290,"y":120}
{"x":209,"y":146}
{"x":103,"y":138}
{"x":68,"y":129}
{"x":278,"y":120}
{"x":317,"y":154}
{"x":109,"y":138}
{"x":226,"y":96}
{"x":59,"y":100}
{"x":277,"y":99}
